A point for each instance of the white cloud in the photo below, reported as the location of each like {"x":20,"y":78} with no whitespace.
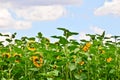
{"x":38,"y":13}
{"x":19,"y":3}
{"x":5,"y":18}
{"x":83,"y":36}
{"x":27,"y":11}
{"x":97,"y":30}
{"x":8,"y":22}
{"x":22,"y":25}
{"x":112,"y":7}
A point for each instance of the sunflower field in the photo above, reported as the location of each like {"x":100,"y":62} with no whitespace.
{"x":36,"y":58}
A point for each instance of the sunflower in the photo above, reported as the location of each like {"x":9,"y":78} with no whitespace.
{"x":81,"y":63}
{"x":109,"y":59}
{"x":30,"y":46}
{"x":58,"y":57}
{"x":55,"y":66}
{"x":37,"y":61}
{"x":80,"y":71}
{"x":88,"y":44}
{"x":86,"y":47}
{"x":56,"y":43}
{"x":102,"y":51}
{"x":17,"y":57}
{"x":6,"y":55}
{"x":47,"y":40}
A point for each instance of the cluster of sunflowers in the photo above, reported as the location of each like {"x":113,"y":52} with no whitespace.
{"x":36,"y":58}
{"x":8,"y":55}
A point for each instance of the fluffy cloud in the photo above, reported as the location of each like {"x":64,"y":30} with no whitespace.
{"x":18,"y":3}
{"x":38,"y":13}
{"x":112,"y":7}
{"x":83,"y":36}
{"x":94,"y":29}
{"x":8,"y":22}
{"x":5,"y":18}
{"x":27,"y":11}
{"x":97,"y":30}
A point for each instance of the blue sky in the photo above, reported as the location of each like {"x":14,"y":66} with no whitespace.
{"x":82,"y":16}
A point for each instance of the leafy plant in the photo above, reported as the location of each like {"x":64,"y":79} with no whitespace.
{"x":36,"y":58}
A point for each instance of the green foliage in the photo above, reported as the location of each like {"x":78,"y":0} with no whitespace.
{"x":36,"y":58}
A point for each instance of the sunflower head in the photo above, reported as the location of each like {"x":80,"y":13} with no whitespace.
{"x":6,"y":55}
{"x":109,"y":59}
{"x":58,"y":57}
{"x":88,"y":44}
{"x":55,"y":66}
{"x":30,"y":46}
{"x":47,"y":40}
{"x":80,"y":71}
{"x":17,"y":57}
{"x":74,"y":56}
{"x":37,"y":61}
{"x":56,"y":43}
{"x":102,"y":51}
{"x":81,"y":63}
{"x":85,"y":48}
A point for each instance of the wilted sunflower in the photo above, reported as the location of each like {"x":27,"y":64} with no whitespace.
{"x":37,"y":61}
{"x":30,"y":46}
{"x":6,"y":55}
{"x":17,"y":57}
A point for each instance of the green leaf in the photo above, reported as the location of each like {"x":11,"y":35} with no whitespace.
{"x":91,"y":36}
{"x":3,"y":78}
{"x":24,"y":38}
{"x":6,"y":35}
{"x":106,"y":37}
{"x":115,"y":37}
{"x":83,"y":40}
{"x":112,"y":71}
{"x":63,"y":29}
{"x":13,"y":35}
{"x":1,"y":34}
{"x":63,"y":41}
{"x":31,"y":38}
{"x":33,"y":69}
{"x":49,"y":78}
{"x":53,"y":73}
{"x":72,"y":66}
{"x":103,"y":34}
{"x":8,"y":40}
{"x":67,"y":33}
{"x":58,"y":37}
{"x":39,"y":35}
{"x":77,"y":76}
